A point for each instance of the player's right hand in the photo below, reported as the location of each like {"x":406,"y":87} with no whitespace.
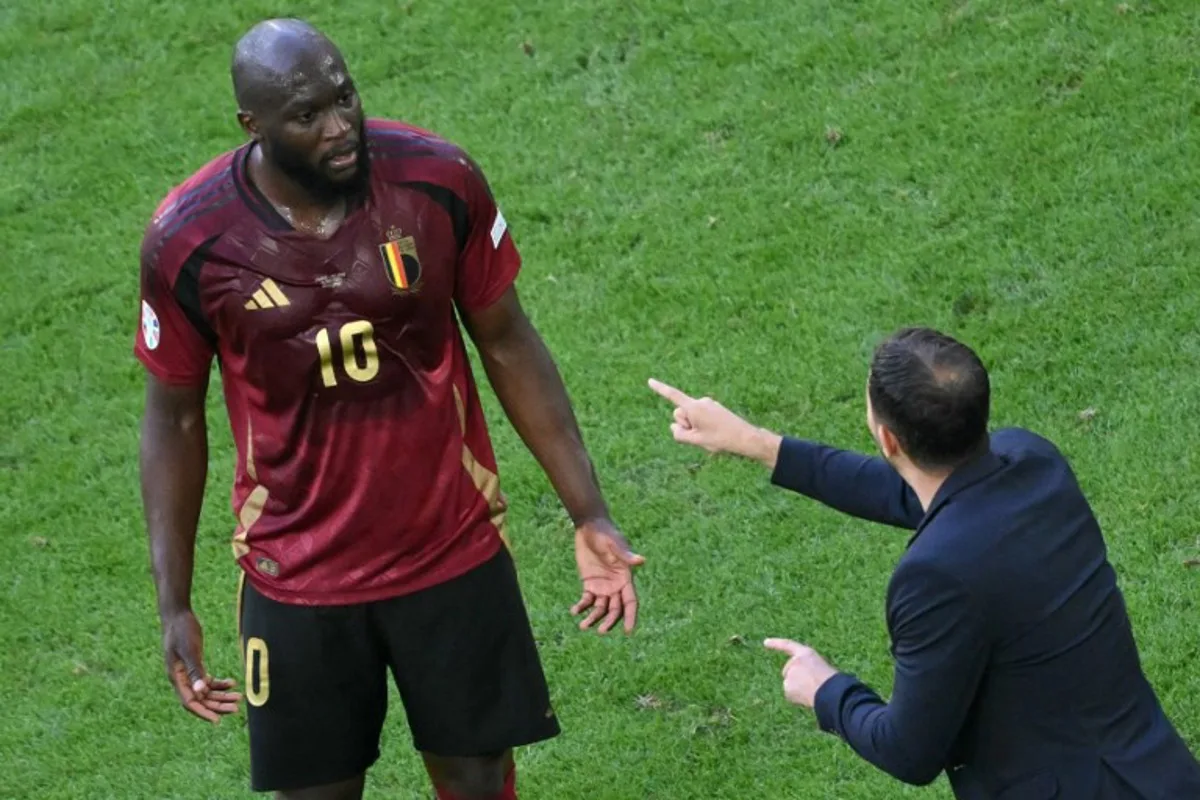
{"x":707,"y":424}
{"x":207,"y":697}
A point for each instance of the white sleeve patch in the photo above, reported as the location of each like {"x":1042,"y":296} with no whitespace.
{"x":498,"y":229}
{"x":151,"y":330}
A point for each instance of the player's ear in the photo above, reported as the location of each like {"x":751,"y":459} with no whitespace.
{"x":249,"y":125}
{"x":888,"y":442}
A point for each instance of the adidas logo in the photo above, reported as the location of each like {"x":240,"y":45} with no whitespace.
{"x":269,"y":295}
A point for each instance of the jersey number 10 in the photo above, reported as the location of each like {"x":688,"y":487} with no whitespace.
{"x":357,"y":339}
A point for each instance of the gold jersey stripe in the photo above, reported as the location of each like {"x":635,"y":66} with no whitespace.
{"x":486,"y":481}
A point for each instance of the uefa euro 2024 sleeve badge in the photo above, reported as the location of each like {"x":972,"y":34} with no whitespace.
{"x":151,"y":330}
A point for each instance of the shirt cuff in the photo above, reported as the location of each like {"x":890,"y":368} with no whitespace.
{"x":793,"y":465}
{"x":828,"y":701}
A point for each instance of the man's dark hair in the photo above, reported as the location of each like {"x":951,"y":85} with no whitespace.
{"x":933,"y":393}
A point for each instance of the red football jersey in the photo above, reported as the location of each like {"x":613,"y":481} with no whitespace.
{"x":364,"y":466}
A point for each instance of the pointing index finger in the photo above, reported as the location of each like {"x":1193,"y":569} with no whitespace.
{"x":784,"y":646}
{"x":669,"y":392}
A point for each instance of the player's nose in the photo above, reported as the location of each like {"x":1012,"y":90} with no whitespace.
{"x":336,"y":127}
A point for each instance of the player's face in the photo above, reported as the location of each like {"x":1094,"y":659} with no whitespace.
{"x":316,"y":136}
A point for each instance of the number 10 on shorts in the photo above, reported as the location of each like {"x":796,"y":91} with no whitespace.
{"x":258,"y":682}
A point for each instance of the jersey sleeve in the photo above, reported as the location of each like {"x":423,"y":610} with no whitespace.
{"x":489,"y":261}
{"x":168,"y":342}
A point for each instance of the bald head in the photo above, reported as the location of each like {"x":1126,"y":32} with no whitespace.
{"x":276,"y":58}
{"x":296,"y":100}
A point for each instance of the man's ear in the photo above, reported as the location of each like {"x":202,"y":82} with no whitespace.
{"x":249,"y":125}
{"x":888,"y":442}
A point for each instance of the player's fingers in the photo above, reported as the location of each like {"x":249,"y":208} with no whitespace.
{"x":630,"y":601}
{"x":615,"y":607}
{"x":784,"y":646}
{"x":585,"y":601}
{"x":221,"y":708}
{"x":202,"y":711}
{"x":598,"y":611}
{"x":687,"y":435}
{"x":682,"y":434}
{"x":681,"y":417}
{"x":669,"y":392}
{"x":223,"y":697}
{"x":631,"y":558}
{"x":221,"y":684}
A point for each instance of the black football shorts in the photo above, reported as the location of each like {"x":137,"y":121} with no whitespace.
{"x":461,"y":653}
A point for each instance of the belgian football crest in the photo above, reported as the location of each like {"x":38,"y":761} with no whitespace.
{"x":400,"y":259}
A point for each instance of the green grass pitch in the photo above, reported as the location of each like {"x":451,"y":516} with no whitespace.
{"x":736,"y":196}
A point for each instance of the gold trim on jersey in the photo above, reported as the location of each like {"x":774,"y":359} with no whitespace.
{"x":252,"y":509}
{"x":251,"y":470}
{"x":486,"y":481}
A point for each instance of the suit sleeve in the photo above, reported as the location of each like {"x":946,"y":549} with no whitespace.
{"x":489,"y":261}
{"x":168,"y":342}
{"x":852,"y":483}
{"x":940,"y":651}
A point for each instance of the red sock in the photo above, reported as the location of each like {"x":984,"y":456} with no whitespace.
{"x":509,"y":792}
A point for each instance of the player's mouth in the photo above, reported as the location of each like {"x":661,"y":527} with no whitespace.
{"x":344,"y":159}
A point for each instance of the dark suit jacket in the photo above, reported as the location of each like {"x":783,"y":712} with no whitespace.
{"x":1016,"y":670}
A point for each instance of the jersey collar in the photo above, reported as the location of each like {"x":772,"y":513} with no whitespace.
{"x":258,"y":203}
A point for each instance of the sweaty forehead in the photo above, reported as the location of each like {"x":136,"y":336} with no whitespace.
{"x":296,"y":70}
{"x":311,"y":74}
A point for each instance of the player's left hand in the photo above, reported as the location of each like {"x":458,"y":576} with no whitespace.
{"x":606,"y":565}
{"x":804,"y":673}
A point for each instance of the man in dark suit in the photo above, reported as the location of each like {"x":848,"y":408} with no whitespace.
{"x":1016,"y":670}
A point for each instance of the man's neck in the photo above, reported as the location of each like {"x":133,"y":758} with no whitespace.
{"x":924,"y":484}
{"x":319,"y":216}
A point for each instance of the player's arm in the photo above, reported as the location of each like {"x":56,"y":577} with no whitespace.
{"x":528,"y":385}
{"x":853,"y":483}
{"x":173,"y":454}
{"x":863,"y":486}
{"x":174,"y":467}
{"x":531,"y":391}
{"x":940,"y":646}
{"x":516,"y":360}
